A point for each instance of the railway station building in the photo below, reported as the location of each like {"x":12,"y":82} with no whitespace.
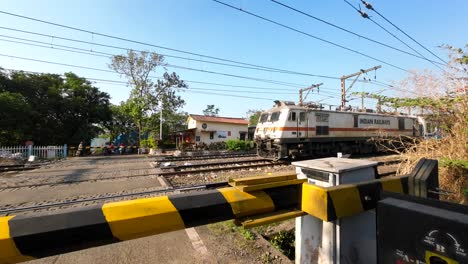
{"x":211,"y":129}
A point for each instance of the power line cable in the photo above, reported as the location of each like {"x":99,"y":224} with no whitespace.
{"x":220,"y":94}
{"x":349,"y":31}
{"x":167,"y":65}
{"x":107,"y":55}
{"x":232,"y":95}
{"x":89,"y":52}
{"x":369,"y":6}
{"x":309,"y":35}
{"x":366,"y":16}
{"x":166,"y":55}
{"x":139,"y":42}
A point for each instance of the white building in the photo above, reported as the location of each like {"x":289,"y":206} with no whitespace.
{"x":210,"y":129}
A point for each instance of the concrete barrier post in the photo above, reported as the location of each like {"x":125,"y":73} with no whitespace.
{"x":347,"y":240}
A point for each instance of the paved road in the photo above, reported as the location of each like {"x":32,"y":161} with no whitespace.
{"x":193,"y":245}
{"x":81,"y":168}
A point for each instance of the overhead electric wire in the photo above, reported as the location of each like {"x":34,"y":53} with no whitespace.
{"x":140,"y":42}
{"x":391,"y":34}
{"x":349,"y":31}
{"x":218,"y":94}
{"x":232,"y":95}
{"x":309,"y":35}
{"x":89,"y":52}
{"x":108,"y":55}
{"x":172,"y":66}
{"x":401,"y":30}
{"x":166,"y":55}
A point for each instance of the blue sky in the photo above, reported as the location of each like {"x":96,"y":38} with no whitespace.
{"x":205,"y":27}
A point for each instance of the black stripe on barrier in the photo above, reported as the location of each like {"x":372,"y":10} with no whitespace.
{"x":283,"y":197}
{"x":61,"y":232}
{"x":204,"y":208}
{"x":369,"y":194}
{"x":405,"y":185}
{"x":331,"y":211}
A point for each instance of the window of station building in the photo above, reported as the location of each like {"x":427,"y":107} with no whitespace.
{"x":275,"y":116}
{"x":211,"y":135}
{"x":302,"y":116}
{"x":229,"y":133}
{"x":292,"y":116}
{"x":356,"y":119}
{"x":263,"y":118}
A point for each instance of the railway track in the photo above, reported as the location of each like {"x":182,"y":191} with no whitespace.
{"x":7,"y":210}
{"x":220,"y":166}
{"x":211,"y":164}
{"x":205,"y":157}
{"x":21,"y":167}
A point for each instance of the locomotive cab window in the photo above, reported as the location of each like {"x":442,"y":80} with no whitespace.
{"x":275,"y":116}
{"x":292,"y":116}
{"x":263,"y":118}
{"x":302,"y":117}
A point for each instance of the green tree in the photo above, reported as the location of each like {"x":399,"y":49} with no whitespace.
{"x":14,"y":118}
{"x":211,"y":110}
{"x":145,"y":94}
{"x":253,"y":115}
{"x":54,"y":110}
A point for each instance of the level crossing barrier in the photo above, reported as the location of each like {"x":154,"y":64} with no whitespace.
{"x":249,"y":201}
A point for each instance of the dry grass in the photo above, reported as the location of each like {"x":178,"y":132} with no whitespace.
{"x":451,"y":151}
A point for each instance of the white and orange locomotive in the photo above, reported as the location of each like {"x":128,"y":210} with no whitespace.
{"x":292,"y":131}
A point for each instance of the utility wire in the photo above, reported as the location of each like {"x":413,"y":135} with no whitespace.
{"x":349,"y":31}
{"x":309,"y":35}
{"x":104,"y":70}
{"x":166,"y":55}
{"x":88,"y":52}
{"x":122,"y":83}
{"x":109,"y":55}
{"x":232,"y":95}
{"x":365,"y":15}
{"x":369,"y":6}
{"x":139,"y":42}
{"x":171,"y":66}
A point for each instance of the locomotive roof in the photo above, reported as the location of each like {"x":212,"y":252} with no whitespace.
{"x":291,"y":106}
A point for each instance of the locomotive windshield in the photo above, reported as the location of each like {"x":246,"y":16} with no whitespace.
{"x":275,"y":116}
{"x":263,"y":118}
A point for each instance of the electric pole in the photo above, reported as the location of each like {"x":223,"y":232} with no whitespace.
{"x":308,"y":89}
{"x":343,"y":85}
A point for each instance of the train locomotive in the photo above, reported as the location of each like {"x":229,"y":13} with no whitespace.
{"x":289,"y":131}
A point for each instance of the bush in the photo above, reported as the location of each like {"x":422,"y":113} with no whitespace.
{"x":284,"y":242}
{"x":236,"y":144}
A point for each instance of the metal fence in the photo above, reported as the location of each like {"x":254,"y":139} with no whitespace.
{"x":43,"y":152}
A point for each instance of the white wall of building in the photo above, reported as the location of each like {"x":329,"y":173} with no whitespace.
{"x":218,"y":131}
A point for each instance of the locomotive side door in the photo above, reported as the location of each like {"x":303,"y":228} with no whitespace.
{"x":302,"y":125}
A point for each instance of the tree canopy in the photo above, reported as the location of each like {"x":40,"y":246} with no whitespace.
{"x":50,"y":109}
{"x":253,"y":115}
{"x":211,"y":110}
{"x":147,"y":97}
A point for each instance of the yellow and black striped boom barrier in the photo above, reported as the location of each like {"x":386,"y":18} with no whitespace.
{"x":250,"y":201}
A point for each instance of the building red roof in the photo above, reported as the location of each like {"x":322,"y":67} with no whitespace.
{"x":220,"y":119}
